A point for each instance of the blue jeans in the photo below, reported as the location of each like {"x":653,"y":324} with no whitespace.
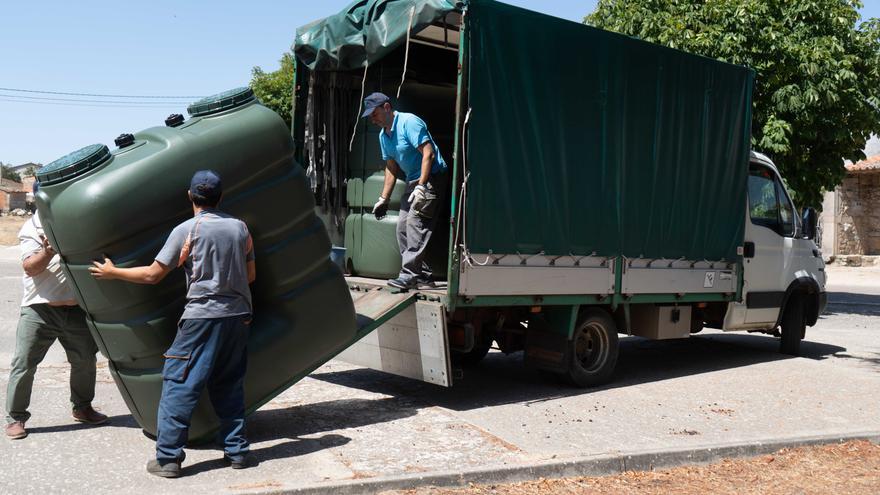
{"x":206,"y":353}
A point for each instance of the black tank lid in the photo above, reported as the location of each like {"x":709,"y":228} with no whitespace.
{"x":221,"y":101}
{"x":174,"y":120}
{"x":124,"y":140}
{"x":73,"y":164}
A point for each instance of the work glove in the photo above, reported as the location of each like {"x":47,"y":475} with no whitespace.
{"x":418,"y":197}
{"x":380,"y":209}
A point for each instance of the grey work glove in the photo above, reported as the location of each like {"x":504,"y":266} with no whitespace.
{"x":380,"y":209}
{"x":418,"y":197}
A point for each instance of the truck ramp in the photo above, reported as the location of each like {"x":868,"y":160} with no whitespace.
{"x":401,"y":333}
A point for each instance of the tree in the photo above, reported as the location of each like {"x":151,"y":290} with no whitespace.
{"x":7,"y":173}
{"x":275,"y":89}
{"x":817,"y":94}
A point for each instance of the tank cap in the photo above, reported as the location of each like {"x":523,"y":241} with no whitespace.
{"x":174,"y":120}
{"x":221,"y":101}
{"x":73,"y":164}
{"x":124,"y":140}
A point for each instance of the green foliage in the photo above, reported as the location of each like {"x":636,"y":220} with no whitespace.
{"x":817,"y":96}
{"x":6,"y":173}
{"x":275,"y":89}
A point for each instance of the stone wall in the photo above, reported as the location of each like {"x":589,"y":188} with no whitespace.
{"x":858,"y":214}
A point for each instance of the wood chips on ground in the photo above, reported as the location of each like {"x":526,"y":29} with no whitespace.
{"x":851,"y":468}
{"x":9,"y":227}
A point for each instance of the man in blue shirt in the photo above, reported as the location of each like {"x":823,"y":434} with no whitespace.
{"x":408,"y":149}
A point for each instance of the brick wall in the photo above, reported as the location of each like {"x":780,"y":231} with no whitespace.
{"x":858,"y":214}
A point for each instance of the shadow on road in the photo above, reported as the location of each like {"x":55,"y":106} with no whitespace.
{"x":120,"y":421}
{"x":298,"y":421}
{"x":501,"y":379}
{"x":293,"y":448}
{"x":853,"y":303}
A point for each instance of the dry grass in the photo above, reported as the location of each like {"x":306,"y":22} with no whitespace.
{"x":851,"y":468}
{"x":9,"y":227}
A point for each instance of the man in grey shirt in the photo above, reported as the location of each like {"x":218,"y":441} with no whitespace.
{"x":210,"y":349}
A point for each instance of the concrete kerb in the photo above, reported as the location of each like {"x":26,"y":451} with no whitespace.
{"x":602,"y":465}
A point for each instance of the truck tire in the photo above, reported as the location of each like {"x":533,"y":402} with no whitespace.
{"x":474,"y":356}
{"x":696,"y":321}
{"x":793,"y":325}
{"x":593,"y":349}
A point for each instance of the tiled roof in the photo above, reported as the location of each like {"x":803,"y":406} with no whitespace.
{"x":870,"y":163}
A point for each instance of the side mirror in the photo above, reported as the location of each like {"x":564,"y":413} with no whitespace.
{"x":811,"y":218}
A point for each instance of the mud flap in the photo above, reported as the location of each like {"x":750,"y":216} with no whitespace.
{"x":409,"y":339}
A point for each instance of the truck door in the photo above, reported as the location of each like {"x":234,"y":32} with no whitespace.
{"x":770,"y":249}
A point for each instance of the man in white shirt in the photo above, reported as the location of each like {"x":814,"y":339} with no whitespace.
{"x":48,"y":312}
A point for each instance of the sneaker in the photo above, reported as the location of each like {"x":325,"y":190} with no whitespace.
{"x":16,"y":431}
{"x":166,"y":470}
{"x":399,"y":283}
{"x":245,"y":461}
{"x":423,"y":283}
{"x":89,"y":416}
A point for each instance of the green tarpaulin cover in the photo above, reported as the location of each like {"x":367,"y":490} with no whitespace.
{"x":365,"y":31}
{"x":581,"y":141}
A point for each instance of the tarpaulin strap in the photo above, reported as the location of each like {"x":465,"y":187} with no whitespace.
{"x":409,"y":28}
{"x":357,"y":117}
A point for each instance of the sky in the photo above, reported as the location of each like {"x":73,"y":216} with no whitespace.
{"x":162,"y":48}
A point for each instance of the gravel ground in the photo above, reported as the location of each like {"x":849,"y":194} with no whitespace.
{"x":9,"y":227}
{"x":852,"y":468}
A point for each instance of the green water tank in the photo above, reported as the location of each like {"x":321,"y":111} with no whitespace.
{"x":124,"y":203}
{"x":371,"y":248}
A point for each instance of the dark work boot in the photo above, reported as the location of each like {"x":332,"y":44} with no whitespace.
{"x":166,"y":470}
{"x":244,"y":461}
{"x":89,"y":416}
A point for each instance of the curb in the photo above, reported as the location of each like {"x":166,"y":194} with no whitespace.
{"x":598,"y":465}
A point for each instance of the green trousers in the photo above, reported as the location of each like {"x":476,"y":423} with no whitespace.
{"x":38,"y":327}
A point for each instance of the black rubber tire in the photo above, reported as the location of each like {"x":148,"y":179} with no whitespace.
{"x":474,"y":356}
{"x":697,"y":323}
{"x":593,"y":349}
{"x":793,"y":326}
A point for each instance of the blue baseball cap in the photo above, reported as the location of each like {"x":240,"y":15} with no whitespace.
{"x":206,"y":183}
{"x":373,"y":101}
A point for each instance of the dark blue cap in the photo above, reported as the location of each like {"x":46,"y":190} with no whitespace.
{"x":206,"y":183}
{"x":373,"y":101}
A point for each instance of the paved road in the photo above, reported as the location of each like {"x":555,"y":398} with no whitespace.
{"x":346,"y":423}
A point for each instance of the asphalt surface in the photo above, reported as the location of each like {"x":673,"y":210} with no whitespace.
{"x":344,"y":425}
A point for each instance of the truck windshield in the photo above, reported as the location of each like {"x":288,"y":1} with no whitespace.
{"x":769,"y":205}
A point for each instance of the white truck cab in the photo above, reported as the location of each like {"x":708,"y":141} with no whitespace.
{"x":783,"y":270}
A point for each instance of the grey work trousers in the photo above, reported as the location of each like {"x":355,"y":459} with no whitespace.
{"x":38,"y":327}
{"x":414,"y":228}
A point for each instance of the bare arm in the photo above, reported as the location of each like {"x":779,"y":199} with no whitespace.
{"x":391,"y":167}
{"x":427,"y":151}
{"x":251,"y":271}
{"x":36,"y":263}
{"x":152,"y":274}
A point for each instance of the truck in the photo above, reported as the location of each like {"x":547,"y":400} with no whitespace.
{"x":600,"y":186}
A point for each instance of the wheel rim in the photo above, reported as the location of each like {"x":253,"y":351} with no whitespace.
{"x":591,"y":346}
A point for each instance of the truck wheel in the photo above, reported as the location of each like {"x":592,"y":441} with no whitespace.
{"x":696,"y":322}
{"x":593,"y":349}
{"x":474,"y":356}
{"x":793,"y":326}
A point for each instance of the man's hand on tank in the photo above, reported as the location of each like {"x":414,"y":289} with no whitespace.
{"x":380,"y":209}
{"x":103,"y":271}
{"x":46,"y":246}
